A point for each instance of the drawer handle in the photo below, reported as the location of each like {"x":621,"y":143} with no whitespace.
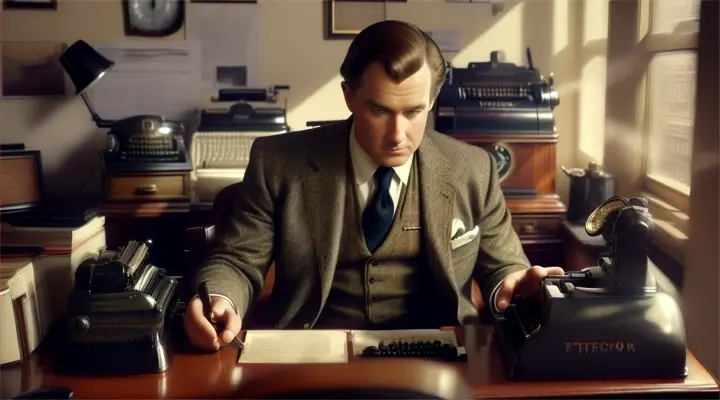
{"x":145,"y":190}
{"x":529,"y":227}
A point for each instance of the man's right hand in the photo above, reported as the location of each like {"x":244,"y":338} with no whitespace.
{"x":199,"y":330}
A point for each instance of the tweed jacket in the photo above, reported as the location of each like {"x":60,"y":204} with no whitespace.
{"x":290,"y":212}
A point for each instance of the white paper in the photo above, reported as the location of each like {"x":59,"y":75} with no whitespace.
{"x":229,"y":36}
{"x":362,"y":339}
{"x":294,"y":347}
{"x":158,"y":77}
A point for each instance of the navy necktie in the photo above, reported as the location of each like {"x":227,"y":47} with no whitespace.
{"x":378,"y":214}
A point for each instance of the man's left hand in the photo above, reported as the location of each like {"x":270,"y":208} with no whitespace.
{"x":522,"y":283}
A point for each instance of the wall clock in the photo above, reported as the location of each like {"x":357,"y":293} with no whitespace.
{"x":153,"y":17}
{"x":504,"y":157}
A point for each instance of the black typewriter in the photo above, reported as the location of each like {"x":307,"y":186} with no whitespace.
{"x":497,"y":97}
{"x":120,"y":314}
{"x":620,"y":319}
{"x":426,"y":349}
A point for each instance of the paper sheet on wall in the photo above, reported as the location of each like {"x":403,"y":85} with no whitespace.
{"x":229,"y":38}
{"x":149,"y":77}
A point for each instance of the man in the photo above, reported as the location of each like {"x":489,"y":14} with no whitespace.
{"x":376,"y":222}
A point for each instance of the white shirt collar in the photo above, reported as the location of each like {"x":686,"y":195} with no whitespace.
{"x":364,"y":166}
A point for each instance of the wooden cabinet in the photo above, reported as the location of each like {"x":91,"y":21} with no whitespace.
{"x":538,"y":222}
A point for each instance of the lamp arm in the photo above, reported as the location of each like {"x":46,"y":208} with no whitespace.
{"x":101,"y":123}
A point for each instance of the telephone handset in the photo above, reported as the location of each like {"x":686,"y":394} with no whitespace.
{"x":146,"y":143}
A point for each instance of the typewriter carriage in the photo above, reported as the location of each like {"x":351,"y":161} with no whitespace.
{"x":220,"y":148}
{"x":497,"y":98}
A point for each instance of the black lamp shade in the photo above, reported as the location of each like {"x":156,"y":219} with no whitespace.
{"x":84,"y":65}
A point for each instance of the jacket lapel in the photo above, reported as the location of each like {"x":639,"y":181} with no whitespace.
{"x":437,"y":193}
{"x":324,"y":190}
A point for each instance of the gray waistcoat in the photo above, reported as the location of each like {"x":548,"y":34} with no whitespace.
{"x":392,"y":288}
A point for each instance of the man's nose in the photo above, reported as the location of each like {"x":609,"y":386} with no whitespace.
{"x":397,"y":129}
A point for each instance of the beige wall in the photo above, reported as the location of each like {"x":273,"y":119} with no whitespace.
{"x":294,"y":52}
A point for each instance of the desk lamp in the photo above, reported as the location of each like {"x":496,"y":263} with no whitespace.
{"x":85,"y":66}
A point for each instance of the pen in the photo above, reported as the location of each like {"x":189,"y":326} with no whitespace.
{"x":207,"y":310}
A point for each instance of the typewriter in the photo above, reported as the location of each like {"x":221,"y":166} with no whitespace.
{"x":119,"y":315}
{"x":619,"y":319}
{"x":220,"y":149}
{"x":146,"y":143}
{"x":496,"y":97}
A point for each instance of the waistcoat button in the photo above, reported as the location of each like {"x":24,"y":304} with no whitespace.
{"x":372,"y":280}
{"x":375,"y":263}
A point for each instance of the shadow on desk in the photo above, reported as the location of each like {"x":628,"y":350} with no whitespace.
{"x":366,"y":379}
{"x":217,"y":375}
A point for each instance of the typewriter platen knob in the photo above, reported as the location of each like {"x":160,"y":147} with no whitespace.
{"x":82,"y":323}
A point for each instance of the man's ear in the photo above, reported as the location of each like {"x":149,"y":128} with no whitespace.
{"x":348,"y":95}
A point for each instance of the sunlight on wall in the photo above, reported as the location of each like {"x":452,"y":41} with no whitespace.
{"x":326,"y":103}
{"x":561,"y":30}
{"x":481,"y":34}
{"x":591,"y":113}
{"x":498,"y":37}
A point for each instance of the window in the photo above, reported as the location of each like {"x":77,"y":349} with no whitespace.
{"x":668,"y":35}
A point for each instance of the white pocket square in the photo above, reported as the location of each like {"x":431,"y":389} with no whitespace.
{"x":459,"y":236}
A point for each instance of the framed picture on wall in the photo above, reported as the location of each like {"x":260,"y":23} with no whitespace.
{"x":346,"y":18}
{"x":32,"y":69}
{"x":30,"y":4}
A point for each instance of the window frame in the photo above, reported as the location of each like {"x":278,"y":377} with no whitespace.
{"x":668,"y":203}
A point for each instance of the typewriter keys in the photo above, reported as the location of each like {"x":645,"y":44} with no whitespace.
{"x":597,"y":218}
{"x":421,"y":349}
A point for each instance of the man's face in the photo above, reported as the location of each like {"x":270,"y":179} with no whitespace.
{"x":390,"y":117}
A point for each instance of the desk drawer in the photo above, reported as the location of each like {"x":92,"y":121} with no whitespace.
{"x":154,"y":187}
{"x":537,"y":226}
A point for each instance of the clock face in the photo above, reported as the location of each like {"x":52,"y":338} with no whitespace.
{"x":154,"y":17}
{"x":504,"y":159}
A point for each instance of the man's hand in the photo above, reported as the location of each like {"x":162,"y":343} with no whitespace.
{"x":522,"y":283}
{"x":199,"y":330}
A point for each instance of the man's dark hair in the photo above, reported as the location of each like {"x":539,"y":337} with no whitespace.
{"x":400,"y":47}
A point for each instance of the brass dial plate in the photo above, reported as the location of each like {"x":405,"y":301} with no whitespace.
{"x":596,"y":220}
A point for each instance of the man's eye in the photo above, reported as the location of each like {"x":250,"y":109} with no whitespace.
{"x":377,"y":110}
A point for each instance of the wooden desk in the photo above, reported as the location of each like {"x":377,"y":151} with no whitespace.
{"x":218,"y":375}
